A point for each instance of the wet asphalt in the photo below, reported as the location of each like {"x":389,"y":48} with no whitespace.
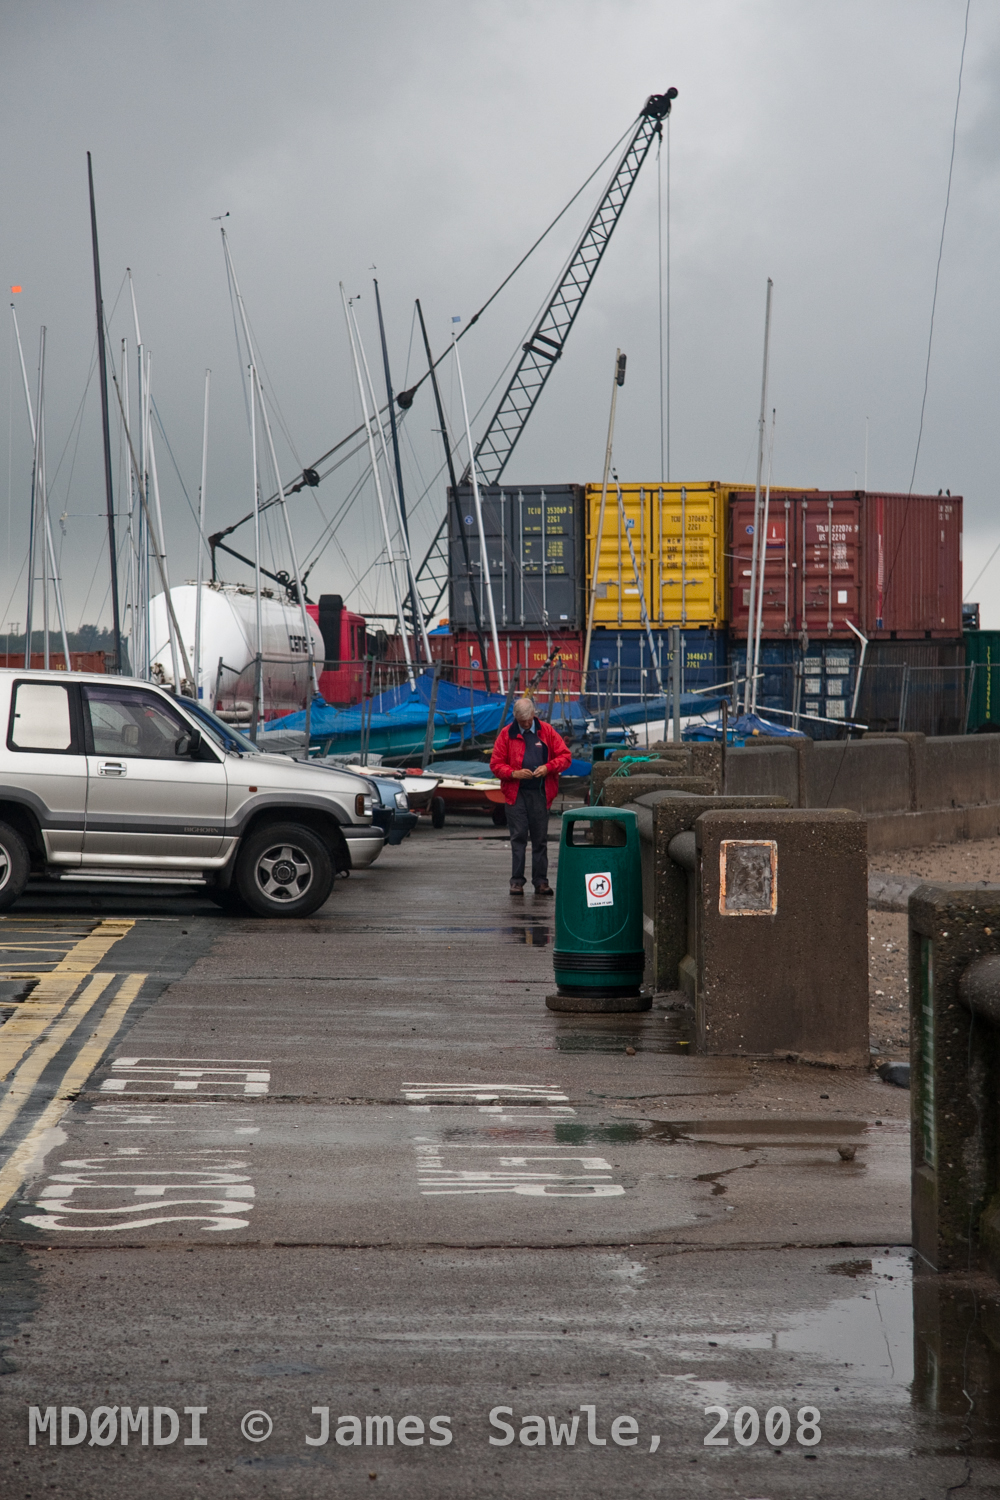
{"x":348,"y":1179}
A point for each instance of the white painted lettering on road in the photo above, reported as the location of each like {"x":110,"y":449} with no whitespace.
{"x":136,"y":1189}
{"x":489,"y":1094}
{"x":179,"y":1075}
{"x":535,"y":1169}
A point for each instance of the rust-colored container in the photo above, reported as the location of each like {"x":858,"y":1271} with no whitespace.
{"x":522,"y":653}
{"x":80,"y":661}
{"x":889,"y":564}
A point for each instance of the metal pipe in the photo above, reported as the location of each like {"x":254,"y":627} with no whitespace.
{"x":659,"y":570}
{"x":683,"y":554}
{"x":102,"y":359}
{"x":829,"y":566}
{"x":201,"y":544}
{"x":861,"y":665}
{"x":619,"y":380}
{"x":675,"y":680}
{"x":432,"y":705}
{"x":756,"y":501}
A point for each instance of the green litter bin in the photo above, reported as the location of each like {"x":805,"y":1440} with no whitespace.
{"x":598,"y":956}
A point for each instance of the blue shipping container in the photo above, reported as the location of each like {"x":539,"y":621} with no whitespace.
{"x":826,"y":678}
{"x":624,"y":667}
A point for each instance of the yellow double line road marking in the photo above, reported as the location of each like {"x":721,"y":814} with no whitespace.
{"x":54,"y":991}
{"x":83,"y":1064}
{"x":45,"y":1024}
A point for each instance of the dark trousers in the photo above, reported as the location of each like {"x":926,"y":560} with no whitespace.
{"x":528,"y":817}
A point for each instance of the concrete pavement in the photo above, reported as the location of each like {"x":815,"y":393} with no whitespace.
{"x":352,"y":1168}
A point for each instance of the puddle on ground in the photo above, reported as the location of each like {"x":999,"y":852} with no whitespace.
{"x":539,"y":933}
{"x":646,"y":1031}
{"x":870,"y":1332}
{"x":714,"y":1132}
{"x":535,"y":934}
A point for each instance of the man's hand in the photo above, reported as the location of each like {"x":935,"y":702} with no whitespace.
{"x":539,"y":771}
{"x":523,"y":775}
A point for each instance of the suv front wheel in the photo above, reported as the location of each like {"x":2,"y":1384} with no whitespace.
{"x":15,"y":866}
{"x":284,"y":870}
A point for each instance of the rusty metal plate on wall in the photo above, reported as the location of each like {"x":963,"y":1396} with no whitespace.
{"x":748,"y":877}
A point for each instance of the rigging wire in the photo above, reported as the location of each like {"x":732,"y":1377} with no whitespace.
{"x":239,"y":345}
{"x":937,"y":278}
{"x":944,"y":225}
{"x":473,"y":320}
{"x":10,"y":437}
{"x":170,"y":451}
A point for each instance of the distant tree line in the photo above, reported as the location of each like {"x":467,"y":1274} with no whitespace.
{"x":87,"y":638}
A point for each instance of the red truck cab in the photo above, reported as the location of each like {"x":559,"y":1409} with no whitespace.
{"x":342,"y":679}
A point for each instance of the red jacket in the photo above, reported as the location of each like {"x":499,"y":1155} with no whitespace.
{"x":508,"y":757}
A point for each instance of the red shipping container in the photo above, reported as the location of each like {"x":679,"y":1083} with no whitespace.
{"x":527,"y":652}
{"x":889,"y":564}
{"x":80,"y":661}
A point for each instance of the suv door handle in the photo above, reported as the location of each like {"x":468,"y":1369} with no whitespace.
{"x":112,"y":768}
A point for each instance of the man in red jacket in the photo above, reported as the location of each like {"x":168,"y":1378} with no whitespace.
{"x":528,"y":757}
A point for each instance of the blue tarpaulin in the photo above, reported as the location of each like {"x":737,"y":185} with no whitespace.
{"x":396,"y":721}
{"x":745,"y":728}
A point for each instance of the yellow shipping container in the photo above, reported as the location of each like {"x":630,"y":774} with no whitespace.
{"x":678,"y":535}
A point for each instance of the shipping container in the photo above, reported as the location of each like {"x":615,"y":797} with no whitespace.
{"x":889,"y":565}
{"x":677,"y":534}
{"x":621,"y":663}
{"x":811,"y":690}
{"x":534,"y":544}
{"x":79,"y":661}
{"x":982,"y":656}
{"x":523,"y":655}
{"x":915,"y":685}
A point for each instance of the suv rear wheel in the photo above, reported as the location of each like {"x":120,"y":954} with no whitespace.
{"x":284,"y":870}
{"x":15,"y":866}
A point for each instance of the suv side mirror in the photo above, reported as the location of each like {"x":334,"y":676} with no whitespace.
{"x":188,"y":744}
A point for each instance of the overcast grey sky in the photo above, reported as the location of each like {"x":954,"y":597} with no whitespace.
{"x":809,"y":143}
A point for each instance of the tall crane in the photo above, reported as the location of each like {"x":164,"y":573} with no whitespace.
{"x":545,"y":346}
{"x":538,"y":356}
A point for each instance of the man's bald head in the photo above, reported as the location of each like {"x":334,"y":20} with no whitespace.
{"x":524,"y":710}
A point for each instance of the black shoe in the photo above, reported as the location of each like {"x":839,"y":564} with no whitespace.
{"x":517,"y":887}
{"x":544,"y":889}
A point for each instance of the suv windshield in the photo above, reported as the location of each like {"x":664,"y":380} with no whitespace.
{"x":224,"y":735}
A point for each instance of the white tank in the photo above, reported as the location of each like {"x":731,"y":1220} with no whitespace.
{"x":229,"y":636}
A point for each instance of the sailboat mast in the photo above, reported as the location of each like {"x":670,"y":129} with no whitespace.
{"x":33,"y":523}
{"x":48,"y":529}
{"x":293,"y":556}
{"x":419,"y":623}
{"x":151,"y":528}
{"x":300,"y":591}
{"x":201,"y":544}
{"x":378,"y":487}
{"x":258,"y":688}
{"x":484,"y":655}
{"x":483,"y":556}
{"x":175,"y":641}
{"x":106,"y":426}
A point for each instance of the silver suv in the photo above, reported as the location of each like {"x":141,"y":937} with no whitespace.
{"x":110,"y":778}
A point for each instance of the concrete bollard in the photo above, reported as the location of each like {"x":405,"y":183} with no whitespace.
{"x":955,"y":1065}
{"x":782,"y":914}
{"x":619,"y":790}
{"x":669,"y":923}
